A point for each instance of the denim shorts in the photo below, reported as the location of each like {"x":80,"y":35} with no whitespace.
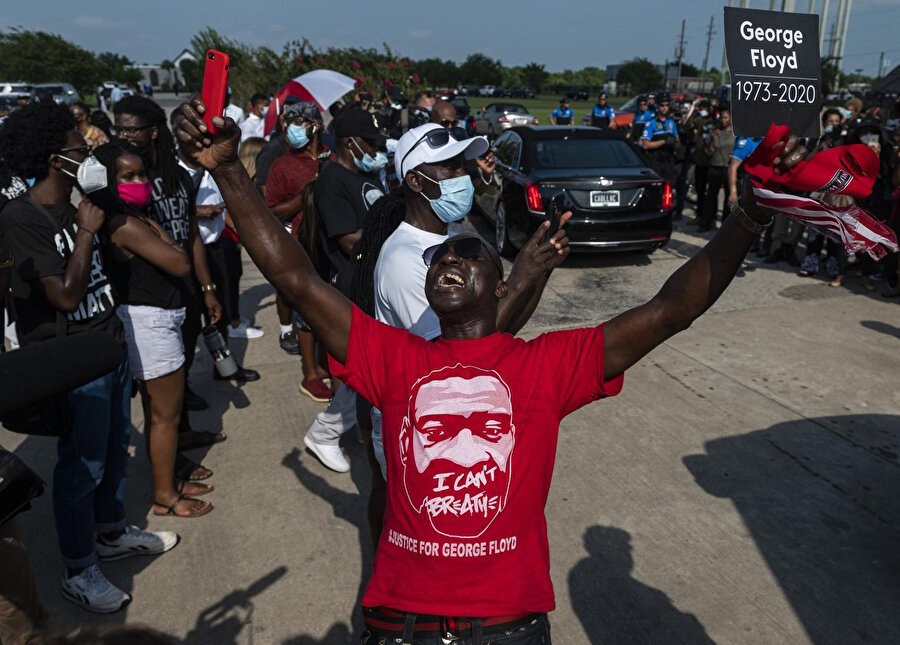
{"x":153,"y":336}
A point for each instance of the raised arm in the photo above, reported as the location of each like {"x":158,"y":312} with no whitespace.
{"x":280,"y":257}
{"x":693,"y":288}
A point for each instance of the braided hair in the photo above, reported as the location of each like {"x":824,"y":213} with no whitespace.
{"x":31,"y":135}
{"x":382,"y":219}
{"x":151,"y":114}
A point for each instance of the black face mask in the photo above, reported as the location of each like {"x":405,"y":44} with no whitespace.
{"x":143,"y":150}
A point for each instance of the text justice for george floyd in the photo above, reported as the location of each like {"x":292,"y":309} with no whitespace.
{"x":470,"y":438}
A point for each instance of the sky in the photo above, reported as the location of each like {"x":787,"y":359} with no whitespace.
{"x":572,"y":34}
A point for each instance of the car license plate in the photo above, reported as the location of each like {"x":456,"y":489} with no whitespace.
{"x":604,"y":198}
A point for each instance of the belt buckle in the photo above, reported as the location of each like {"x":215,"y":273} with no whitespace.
{"x":448,"y":637}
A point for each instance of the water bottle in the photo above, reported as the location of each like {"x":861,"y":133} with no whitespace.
{"x":222,"y":358}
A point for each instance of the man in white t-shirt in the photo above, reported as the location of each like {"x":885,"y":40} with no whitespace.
{"x":255,"y":123}
{"x":232,"y":110}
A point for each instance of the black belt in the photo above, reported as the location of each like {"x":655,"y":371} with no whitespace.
{"x":390,"y":623}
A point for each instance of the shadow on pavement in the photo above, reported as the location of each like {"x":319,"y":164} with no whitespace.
{"x":820,"y":498}
{"x":351,"y":507}
{"x":221,"y":623}
{"x":338,"y":634}
{"x":616,"y":609}
{"x":882,"y":327}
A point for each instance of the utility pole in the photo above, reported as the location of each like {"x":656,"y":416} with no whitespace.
{"x":709,"y":35}
{"x":680,"y":54}
{"x":880,"y":65}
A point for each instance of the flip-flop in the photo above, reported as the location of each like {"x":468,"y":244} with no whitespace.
{"x":170,"y":510}
{"x":185,"y":469}
{"x":181,"y":484}
{"x":195,"y":439}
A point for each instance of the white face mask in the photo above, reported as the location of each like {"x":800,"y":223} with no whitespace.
{"x":91,"y":175}
{"x":704,"y":113}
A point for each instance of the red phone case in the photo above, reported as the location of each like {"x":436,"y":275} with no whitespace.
{"x":215,"y":86}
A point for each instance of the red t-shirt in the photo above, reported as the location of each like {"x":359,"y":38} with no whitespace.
{"x":288,"y":176}
{"x":470,"y":430}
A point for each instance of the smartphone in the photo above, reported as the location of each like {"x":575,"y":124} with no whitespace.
{"x":215,"y":86}
{"x":555,"y":210}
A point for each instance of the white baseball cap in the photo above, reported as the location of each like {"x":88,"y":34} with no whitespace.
{"x":413,"y":149}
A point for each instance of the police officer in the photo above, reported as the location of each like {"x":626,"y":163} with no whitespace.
{"x":660,"y":140}
{"x":563,"y":115}
{"x":603,"y":116}
{"x":642,"y":117}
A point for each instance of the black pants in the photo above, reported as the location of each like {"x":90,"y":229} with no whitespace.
{"x":716,"y":178}
{"x":700,"y":173}
{"x":190,"y":332}
{"x":225,"y":269}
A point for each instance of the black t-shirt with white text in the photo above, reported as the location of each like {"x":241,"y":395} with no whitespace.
{"x":342,"y":199}
{"x":173,"y":212}
{"x":41,"y":250}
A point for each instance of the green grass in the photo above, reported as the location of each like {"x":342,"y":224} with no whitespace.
{"x":541,"y":106}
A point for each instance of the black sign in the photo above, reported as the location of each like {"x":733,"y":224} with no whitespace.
{"x":776,"y":75}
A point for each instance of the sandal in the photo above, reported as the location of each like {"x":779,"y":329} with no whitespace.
{"x":803,"y":273}
{"x":170,"y":510}
{"x":208,"y":488}
{"x":195,"y":439}
{"x":190,"y":471}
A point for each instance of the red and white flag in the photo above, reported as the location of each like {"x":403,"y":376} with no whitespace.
{"x":847,"y":170}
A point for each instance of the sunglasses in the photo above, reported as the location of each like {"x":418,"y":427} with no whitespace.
{"x":438,"y":138}
{"x":468,"y":248}
{"x":130,"y":131}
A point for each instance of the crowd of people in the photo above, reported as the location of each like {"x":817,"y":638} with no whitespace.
{"x":135,"y":226}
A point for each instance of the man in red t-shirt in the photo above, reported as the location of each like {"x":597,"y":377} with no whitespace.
{"x":288,"y":176}
{"x":470,"y":419}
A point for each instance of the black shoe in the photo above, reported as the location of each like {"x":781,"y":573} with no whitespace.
{"x":775,"y":257}
{"x":289,"y":343}
{"x":242,"y":375}
{"x":193,"y":402}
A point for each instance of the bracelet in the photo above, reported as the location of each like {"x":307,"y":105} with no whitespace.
{"x":208,"y":288}
{"x":7,"y":262}
{"x":87,"y":230}
{"x":747,"y":222}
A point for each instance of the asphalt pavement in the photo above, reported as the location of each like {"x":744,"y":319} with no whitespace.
{"x":741,"y":490}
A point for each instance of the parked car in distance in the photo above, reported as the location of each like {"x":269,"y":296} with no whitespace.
{"x":470,"y":90}
{"x":618,"y":203}
{"x":486,"y":90}
{"x":496,"y":117}
{"x":13,"y":91}
{"x":62,"y":92}
{"x":578,"y":93}
{"x":521,"y":92}
{"x":501,"y":91}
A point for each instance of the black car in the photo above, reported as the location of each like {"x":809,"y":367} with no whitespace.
{"x":521,"y":92}
{"x":619,"y":203}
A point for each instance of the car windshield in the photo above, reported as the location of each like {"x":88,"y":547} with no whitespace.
{"x":585,"y":153}
{"x":511,"y":107}
{"x":19,"y":88}
{"x":631,"y":106}
{"x":53,"y":89}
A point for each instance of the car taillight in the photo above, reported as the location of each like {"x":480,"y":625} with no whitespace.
{"x":534,"y":121}
{"x":533,"y":196}
{"x":668,"y":197}
{"x":503,"y":119}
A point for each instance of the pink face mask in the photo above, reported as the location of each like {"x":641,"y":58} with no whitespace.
{"x":137,"y":195}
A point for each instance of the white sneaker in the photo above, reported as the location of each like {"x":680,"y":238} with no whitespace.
{"x":245,"y":330}
{"x":94,"y":592}
{"x":330,"y":455}
{"x":134,"y":541}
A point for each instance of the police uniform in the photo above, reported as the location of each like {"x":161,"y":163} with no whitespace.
{"x":664,"y":160}
{"x":563,"y":116}
{"x":641,"y":119}
{"x":601,"y":117}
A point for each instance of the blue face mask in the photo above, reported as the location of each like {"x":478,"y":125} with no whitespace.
{"x":296,"y":135}
{"x":368,"y":163}
{"x":456,"y":198}
{"x":264,"y":110}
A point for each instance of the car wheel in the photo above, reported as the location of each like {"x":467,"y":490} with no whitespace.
{"x":504,"y":246}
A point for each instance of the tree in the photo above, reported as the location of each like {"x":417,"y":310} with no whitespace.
{"x":534,"y":76}
{"x":479,"y":69}
{"x":168,"y":66}
{"x":689,"y":70}
{"x":115,"y":67}
{"x":640,"y":74}
{"x":438,"y":73}
{"x":40,"y":57}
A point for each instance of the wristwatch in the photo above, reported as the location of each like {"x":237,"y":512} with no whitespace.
{"x":206,"y":288}
{"x":747,"y":222}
